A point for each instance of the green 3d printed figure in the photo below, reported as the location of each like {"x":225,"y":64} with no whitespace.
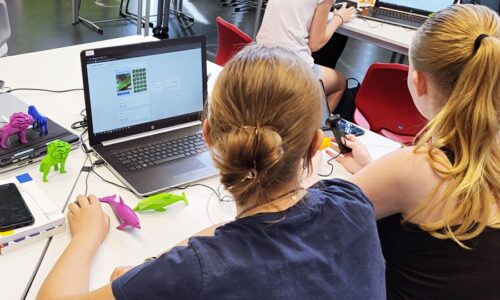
{"x":159,"y":201}
{"x":57,"y":152}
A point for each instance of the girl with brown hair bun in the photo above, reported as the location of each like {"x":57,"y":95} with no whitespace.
{"x":439,"y":201}
{"x":286,"y":242}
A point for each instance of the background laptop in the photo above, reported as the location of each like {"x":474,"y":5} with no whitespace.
{"x":144,"y":104}
{"x":406,"y":13}
{"x":18,"y":154}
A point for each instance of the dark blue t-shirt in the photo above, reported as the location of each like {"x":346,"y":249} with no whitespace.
{"x":324,"y":247}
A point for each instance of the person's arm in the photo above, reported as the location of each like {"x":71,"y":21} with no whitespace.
{"x":386,"y":182}
{"x":69,"y":278}
{"x":321,"y":30}
{"x":395,"y":183}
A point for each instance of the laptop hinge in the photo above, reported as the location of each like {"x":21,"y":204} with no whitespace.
{"x":150,"y":133}
{"x":404,"y":12}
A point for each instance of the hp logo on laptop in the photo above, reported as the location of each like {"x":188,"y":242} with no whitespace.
{"x":152,"y":127}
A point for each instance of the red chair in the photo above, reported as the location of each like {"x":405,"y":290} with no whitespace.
{"x":231,"y":39}
{"x":384,"y":104}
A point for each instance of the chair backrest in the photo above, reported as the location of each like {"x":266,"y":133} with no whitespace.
{"x":385,"y":101}
{"x":231,"y":39}
{"x":4,"y":23}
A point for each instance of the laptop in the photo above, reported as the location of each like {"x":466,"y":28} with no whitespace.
{"x":144,"y":104}
{"x":18,"y":154}
{"x":406,"y":13}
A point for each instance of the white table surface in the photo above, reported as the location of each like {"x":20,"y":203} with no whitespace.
{"x":391,"y":37}
{"x":60,"y":69}
{"x":52,"y":69}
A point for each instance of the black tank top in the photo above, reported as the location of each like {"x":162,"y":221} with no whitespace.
{"x":419,"y":266}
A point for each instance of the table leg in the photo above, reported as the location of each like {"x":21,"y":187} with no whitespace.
{"x":75,"y":11}
{"x":394,"y":56}
{"x":402,"y":58}
{"x":146,"y":25}
{"x":257,"y":18}
{"x":139,"y":16}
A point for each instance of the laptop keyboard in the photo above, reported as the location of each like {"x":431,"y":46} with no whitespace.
{"x":161,"y":152}
{"x":398,"y":15}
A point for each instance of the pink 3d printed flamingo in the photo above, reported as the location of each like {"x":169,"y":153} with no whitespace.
{"x":126,"y":216}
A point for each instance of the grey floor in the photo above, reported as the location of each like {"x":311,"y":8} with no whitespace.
{"x":40,"y":25}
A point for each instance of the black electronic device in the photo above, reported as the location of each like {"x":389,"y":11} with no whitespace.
{"x":333,"y":123}
{"x":349,"y":128}
{"x":14,"y":212}
{"x":338,"y":4}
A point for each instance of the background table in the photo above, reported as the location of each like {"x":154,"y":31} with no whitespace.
{"x":391,"y":37}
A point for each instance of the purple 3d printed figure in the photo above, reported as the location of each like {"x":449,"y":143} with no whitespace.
{"x":41,"y":122}
{"x":126,"y":216}
{"x":19,"y":123}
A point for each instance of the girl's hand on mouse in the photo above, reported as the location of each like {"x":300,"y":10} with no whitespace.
{"x":347,"y":14}
{"x":88,"y":223}
{"x":355,"y":160}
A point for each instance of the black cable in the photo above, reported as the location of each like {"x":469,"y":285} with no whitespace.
{"x":331,"y":165}
{"x":83,"y":146}
{"x":333,"y":158}
{"x":88,"y":170}
{"x":205,"y":186}
{"x":110,"y":182}
{"x":79,"y":124}
{"x":82,"y":123}
{"x":42,"y":90}
{"x":93,"y":164}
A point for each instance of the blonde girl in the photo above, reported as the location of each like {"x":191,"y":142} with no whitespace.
{"x":439,"y":201}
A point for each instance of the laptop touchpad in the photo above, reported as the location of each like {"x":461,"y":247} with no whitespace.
{"x":187,"y":167}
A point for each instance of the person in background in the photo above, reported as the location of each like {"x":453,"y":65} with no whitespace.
{"x":286,"y":242}
{"x":303,"y":26}
{"x":439,"y":201}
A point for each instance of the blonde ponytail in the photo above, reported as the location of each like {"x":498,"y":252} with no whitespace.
{"x":460,"y":49}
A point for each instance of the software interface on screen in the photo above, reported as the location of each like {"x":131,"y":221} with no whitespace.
{"x":135,"y":90}
{"x":432,"y":5}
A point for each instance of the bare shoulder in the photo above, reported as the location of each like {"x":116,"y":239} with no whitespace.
{"x":399,"y":181}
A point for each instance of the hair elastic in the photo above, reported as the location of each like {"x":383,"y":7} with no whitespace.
{"x":252,"y":173}
{"x":477,"y":42}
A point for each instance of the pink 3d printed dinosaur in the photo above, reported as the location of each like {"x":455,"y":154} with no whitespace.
{"x":19,"y":123}
{"x":126,"y":216}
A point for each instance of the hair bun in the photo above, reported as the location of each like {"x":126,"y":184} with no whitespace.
{"x":249,"y":155}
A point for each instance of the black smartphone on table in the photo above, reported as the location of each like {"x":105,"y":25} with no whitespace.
{"x":14,"y":212}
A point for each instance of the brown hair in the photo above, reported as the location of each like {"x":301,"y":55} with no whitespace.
{"x":263,"y":114}
{"x":448,"y":48}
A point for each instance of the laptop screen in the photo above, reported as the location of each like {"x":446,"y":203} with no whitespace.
{"x":137,"y":88}
{"x":421,"y":5}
